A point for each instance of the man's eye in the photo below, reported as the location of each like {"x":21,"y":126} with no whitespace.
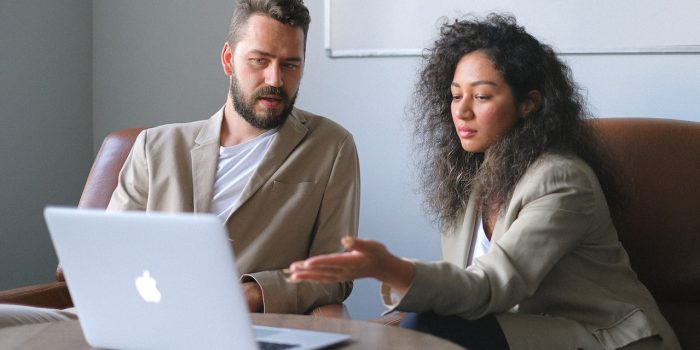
{"x":258,"y":61}
{"x":290,"y":66}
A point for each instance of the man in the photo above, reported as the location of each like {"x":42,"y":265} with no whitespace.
{"x":285,"y":182}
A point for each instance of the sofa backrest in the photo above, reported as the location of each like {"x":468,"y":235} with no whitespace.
{"x":104,"y":174}
{"x":657,"y":162}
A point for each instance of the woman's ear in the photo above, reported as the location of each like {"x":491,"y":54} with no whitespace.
{"x":531,"y":102}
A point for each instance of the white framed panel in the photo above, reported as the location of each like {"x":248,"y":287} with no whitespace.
{"x":368,"y":28}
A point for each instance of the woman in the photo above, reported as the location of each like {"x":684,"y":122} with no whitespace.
{"x":531,"y":257}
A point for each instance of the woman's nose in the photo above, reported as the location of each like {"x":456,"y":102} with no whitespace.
{"x":462,"y":109}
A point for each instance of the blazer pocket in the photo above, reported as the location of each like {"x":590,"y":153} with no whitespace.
{"x":634,"y":326}
{"x":288,"y":190}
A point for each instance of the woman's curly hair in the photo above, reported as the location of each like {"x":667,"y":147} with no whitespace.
{"x":449,"y":173}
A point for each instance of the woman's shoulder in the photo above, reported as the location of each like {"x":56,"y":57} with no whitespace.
{"x":559,"y":162}
{"x":558,"y":158}
{"x":555,"y":169}
{"x":561,"y":180}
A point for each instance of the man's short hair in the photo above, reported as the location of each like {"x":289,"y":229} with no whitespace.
{"x":290,"y":12}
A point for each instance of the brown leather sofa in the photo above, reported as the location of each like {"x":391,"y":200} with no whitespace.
{"x":98,"y":189}
{"x":658,"y":164}
{"x":657,"y":160}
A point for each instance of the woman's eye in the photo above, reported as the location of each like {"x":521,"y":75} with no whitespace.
{"x":456,"y":98}
{"x":482,"y":97}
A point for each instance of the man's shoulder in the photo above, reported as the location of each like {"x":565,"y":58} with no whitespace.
{"x":167,"y":135}
{"x":188,"y":128}
{"x":319,"y":124}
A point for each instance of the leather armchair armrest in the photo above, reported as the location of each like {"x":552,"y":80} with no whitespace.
{"x":392,"y":319}
{"x":330,"y":310}
{"x":51,"y":295}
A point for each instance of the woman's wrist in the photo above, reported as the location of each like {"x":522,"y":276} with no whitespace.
{"x":400,"y":274}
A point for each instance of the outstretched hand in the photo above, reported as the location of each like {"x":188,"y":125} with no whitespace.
{"x":362,"y":258}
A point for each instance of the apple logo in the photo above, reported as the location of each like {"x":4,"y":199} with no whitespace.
{"x":146,"y":286}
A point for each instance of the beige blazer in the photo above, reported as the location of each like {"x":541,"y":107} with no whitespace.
{"x":299,"y":202}
{"x":556,"y":275}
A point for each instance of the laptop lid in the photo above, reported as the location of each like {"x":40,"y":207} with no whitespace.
{"x":158,"y":281}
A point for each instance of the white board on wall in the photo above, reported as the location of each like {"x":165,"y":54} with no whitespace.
{"x":360,"y":28}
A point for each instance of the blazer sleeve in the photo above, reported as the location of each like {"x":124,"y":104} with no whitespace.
{"x":550,"y":213}
{"x":131,"y":192}
{"x":337,"y":217}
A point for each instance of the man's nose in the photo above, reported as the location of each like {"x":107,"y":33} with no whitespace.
{"x":273,"y":76}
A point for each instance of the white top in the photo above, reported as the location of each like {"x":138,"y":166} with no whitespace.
{"x":235,"y":167}
{"x":480,"y":246}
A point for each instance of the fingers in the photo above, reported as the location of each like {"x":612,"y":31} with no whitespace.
{"x":328,"y":259}
{"x":320,"y":262}
{"x":321,"y":268}
{"x":359,"y":260}
{"x":354,"y":249}
{"x":348,"y":242}
{"x":326,"y":269}
{"x":338,"y":268}
{"x":324,"y":274}
{"x":351,"y":243}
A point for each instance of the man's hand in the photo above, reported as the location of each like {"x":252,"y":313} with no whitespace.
{"x":254,"y":296}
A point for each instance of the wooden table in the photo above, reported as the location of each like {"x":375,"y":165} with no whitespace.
{"x":365,"y":335}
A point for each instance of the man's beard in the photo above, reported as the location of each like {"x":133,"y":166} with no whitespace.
{"x":245,"y":106}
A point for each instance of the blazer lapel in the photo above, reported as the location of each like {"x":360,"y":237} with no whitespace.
{"x":205,"y":155}
{"x":499,"y":227}
{"x":457,"y":244}
{"x":288,"y":137}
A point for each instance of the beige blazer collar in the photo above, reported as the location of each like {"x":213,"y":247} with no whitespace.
{"x":457,"y":242}
{"x":288,"y":137}
{"x":499,"y":228}
{"x":205,"y":155}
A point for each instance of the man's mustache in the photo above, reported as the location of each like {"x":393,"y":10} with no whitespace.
{"x":271,"y":90}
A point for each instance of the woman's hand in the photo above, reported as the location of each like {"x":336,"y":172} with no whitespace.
{"x":363,"y":258}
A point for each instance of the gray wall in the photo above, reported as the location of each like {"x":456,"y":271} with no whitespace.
{"x":45,"y":135}
{"x":157,"y":62}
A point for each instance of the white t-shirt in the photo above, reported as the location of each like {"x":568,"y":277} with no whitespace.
{"x":235,"y":167}
{"x":480,"y":246}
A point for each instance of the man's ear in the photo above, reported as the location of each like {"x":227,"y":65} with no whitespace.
{"x":226,"y":63}
{"x":531,"y":102}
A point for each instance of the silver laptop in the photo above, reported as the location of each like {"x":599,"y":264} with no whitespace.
{"x":160,"y":281}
